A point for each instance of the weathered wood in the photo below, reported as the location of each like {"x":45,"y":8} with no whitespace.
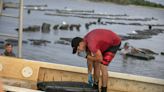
{"x":42,"y":71}
{"x":18,"y":89}
{"x":33,"y":28}
{"x":92,"y":14}
{"x":96,"y":17}
{"x":73,"y":11}
{"x":141,"y":56}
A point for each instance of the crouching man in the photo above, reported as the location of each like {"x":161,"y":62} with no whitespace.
{"x":99,"y":47}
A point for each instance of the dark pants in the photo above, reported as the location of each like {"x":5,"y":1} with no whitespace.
{"x":109,"y":54}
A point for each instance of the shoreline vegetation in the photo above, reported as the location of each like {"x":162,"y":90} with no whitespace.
{"x":133,"y":2}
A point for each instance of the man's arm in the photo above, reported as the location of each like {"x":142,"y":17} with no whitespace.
{"x":97,"y":57}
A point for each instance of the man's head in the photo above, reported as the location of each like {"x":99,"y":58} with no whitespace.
{"x":78,"y":45}
{"x":8,"y":47}
{"x":126,"y":45}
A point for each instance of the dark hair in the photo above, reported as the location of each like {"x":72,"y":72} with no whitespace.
{"x":75,"y":43}
{"x":126,"y":44}
{"x":8,"y":44}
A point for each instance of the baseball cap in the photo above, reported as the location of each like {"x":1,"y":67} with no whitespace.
{"x":75,"y":43}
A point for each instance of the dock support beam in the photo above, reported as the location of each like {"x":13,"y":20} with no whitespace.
{"x":1,"y":6}
{"x":20,"y":29}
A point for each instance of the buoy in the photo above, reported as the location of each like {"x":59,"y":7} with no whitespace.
{"x":134,"y":32}
{"x":64,"y":23}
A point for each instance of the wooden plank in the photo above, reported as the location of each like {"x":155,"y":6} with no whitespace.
{"x":49,"y":75}
{"x":12,"y":68}
{"x":18,"y":89}
{"x":19,"y":83}
{"x":53,"y":75}
{"x":57,"y":76}
{"x":41,"y":75}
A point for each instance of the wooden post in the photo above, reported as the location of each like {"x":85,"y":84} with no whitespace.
{"x":20,"y":29}
{"x":1,"y":7}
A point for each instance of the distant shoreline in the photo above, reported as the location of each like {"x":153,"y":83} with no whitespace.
{"x":133,"y":2}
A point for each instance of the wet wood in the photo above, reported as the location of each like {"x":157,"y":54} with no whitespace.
{"x":141,"y":56}
{"x":102,"y":17}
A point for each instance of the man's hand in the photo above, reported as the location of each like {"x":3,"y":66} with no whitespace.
{"x":97,"y":57}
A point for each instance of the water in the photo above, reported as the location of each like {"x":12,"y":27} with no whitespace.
{"x":57,"y":53}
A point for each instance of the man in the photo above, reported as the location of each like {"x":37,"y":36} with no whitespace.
{"x":8,"y":50}
{"x":130,"y":49}
{"x":126,"y":49}
{"x":101,"y":46}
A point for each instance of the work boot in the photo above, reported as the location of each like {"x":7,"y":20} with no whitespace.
{"x":95,"y":86}
{"x":103,"y":89}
